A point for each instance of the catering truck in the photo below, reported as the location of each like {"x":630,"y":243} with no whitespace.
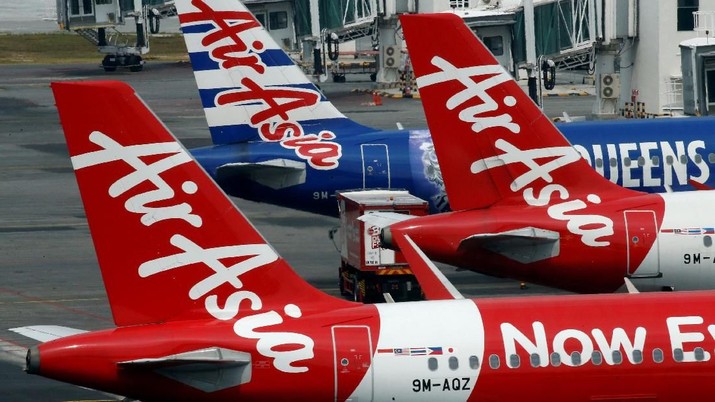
{"x":369,"y":273}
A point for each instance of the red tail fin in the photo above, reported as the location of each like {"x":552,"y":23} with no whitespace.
{"x":170,"y":244}
{"x":491,"y":140}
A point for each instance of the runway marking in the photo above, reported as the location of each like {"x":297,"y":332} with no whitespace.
{"x":41,"y":82}
{"x":53,"y":301}
{"x":54,"y":304}
{"x":43,"y":228}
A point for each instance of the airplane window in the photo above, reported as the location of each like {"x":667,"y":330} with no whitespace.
{"x":678,"y":355}
{"x":555,"y":359}
{"x":514,"y":361}
{"x":711,"y":157}
{"x":699,"y":354}
{"x":637,"y":356}
{"x":641,"y":161}
{"x":657,"y":355}
{"x":494,"y":361}
{"x":627,"y":161}
{"x":655,"y":160}
{"x":576,"y":358}
{"x":683,"y":159}
{"x":535,"y":360}
{"x":599,"y":162}
{"x":707,"y":241}
{"x":453,"y":363}
{"x":698,"y":158}
{"x":432,"y":363}
{"x":613,"y":162}
{"x":596,"y":358}
{"x":617,"y":357}
{"x":669,"y":159}
{"x":473,"y":362}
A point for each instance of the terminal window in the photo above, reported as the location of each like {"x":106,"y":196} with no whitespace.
{"x":278,"y":20}
{"x":261,"y":19}
{"x":710,"y":84}
{"x":80,"y":7}
{"x":495,"y":44}
{"x":686,"y":8}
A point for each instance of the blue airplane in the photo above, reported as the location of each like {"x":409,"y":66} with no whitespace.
{"x":278,"y":139}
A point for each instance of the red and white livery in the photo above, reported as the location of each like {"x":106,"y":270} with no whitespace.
{"x":206,"y":310}
{"x":527,"y":206}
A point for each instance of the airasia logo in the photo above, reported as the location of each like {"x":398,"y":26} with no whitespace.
{"x":285,"y":348}
{"x":593,"y":229}
{"x":273,"y":121}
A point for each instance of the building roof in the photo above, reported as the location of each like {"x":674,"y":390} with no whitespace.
{"x":698,"y":42}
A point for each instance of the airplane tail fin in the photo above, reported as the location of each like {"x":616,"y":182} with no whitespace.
{"x":251,"y":90}
{"x":492,"y":141}
{"x":170,"y":244}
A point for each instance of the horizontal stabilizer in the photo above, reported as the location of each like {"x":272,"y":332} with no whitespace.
{"x":46,"y":333}
{"x":384,"y":219}
{"x":275,"y":174}
{"x":209,"y":370}
{"x":434,"y":284}
{"x":524,"y":245}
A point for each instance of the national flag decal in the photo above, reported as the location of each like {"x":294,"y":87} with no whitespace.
{"x":690,"y":231}
{"x":422,"y":351}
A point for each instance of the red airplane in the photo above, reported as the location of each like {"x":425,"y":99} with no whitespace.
{"x":527,"y":205}
{"x":206,"y":310}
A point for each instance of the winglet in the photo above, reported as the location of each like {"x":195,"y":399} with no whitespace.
{"x":433,"y":282}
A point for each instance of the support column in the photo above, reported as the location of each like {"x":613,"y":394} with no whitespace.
{"x":387,"y":28}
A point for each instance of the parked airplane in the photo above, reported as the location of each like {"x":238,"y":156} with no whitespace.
{"x":206,"y":310}
{"x":527,"y":205}
{"x":279,"y":140}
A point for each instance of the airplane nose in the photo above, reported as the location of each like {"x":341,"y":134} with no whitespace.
{"x":32,"y":361}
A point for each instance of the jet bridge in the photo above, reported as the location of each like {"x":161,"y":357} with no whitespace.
{"x":99,"y":21}
{"x":518,"y":32}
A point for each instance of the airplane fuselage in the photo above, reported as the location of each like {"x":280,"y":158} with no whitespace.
{"x":652,"y":156}
{"x":570,"y":348}
{"x":651,"y":239}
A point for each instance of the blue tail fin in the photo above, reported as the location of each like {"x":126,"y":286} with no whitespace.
{"x":251,"y":90}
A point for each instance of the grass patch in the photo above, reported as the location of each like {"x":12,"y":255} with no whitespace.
{"x":66,"y":47}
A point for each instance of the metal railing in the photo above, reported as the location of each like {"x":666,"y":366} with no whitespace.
{"x":704,"y":23}
{"x":673,"y":94}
